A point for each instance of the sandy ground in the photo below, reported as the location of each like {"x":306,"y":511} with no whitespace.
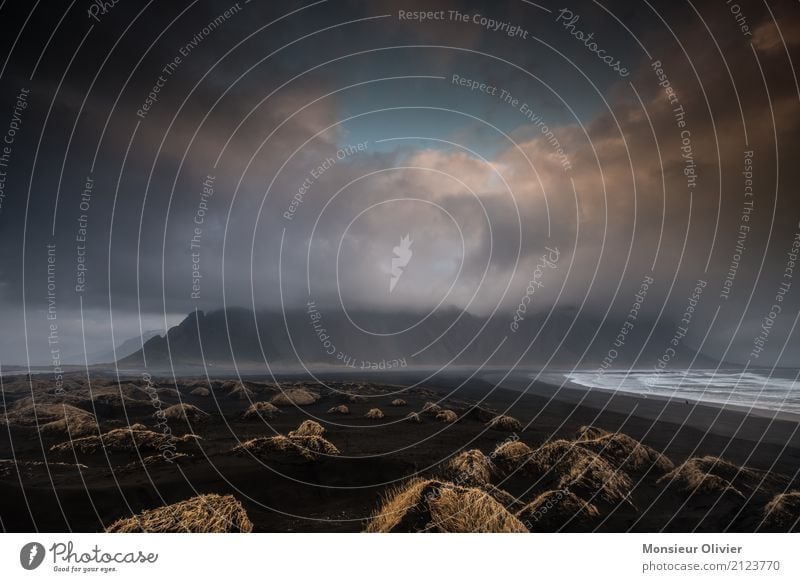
{"x":340,"y":493}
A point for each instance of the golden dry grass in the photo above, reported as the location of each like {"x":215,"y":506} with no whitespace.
{"x":782,"y":513}
{"x":341,"y":409}
{"x":29,"y":416}
{"x":398,"y":402}
{"x":241,"y":392}
{"x":431,"y":408}
{"x":261,"y":410}
{"x":511,"y":503}
{"x":557,"y":509}
{"x":308,"y":448}
{"x":624,"y":452}
{"x":428,"y":505}
{"x":295,"y":397}
{"x":123,"y":396}
{"x":308,"y":428}
{"x":709,"y":475}
{"x":470,"y":467}
{"x":22,"y":409}
{"x":200,"y":391}
{"x":375,"y":413}
{"x":121,"y":440}
{"x":447,"y":416}
{"x":505,"y":423}
{"x":76,"y":423}
{"x":56,"y":419}
{"x":72,"y":427}
{"x":101,"y":394}
{"x":413,"y":417}
{"x":588,"y":432}
{"x":511,"y":455}
{"x":568,"y":465}
{"x":209,"y":513}
{"x":184,"y":412}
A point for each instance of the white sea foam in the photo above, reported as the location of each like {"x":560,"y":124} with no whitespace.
{"x":748,"y":389}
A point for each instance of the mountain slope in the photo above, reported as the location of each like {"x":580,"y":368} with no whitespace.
{"x":561,"y":339}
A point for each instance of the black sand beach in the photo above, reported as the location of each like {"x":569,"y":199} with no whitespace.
{"x":341,"y":492}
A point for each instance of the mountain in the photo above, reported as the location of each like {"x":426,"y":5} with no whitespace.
{"x":560,"y":339}
{"x":106,"y":356}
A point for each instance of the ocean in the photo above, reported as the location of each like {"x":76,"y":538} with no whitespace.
{"x":742,"y":389}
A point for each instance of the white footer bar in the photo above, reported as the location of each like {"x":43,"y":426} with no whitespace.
{"x":407,"y":557}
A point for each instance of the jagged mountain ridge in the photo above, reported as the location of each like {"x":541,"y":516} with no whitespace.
{"x":407,"y":339}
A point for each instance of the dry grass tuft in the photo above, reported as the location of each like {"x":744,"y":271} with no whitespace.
{"x":51,"y":418}
{"x":431,"y":408}
{"x":341,"y":409}
{"x":184,"y":413}
{"x":559,"y":509}
{"x":200,"y":391}
{"x":118,"y":396}
{"x":624,"y":452}
{"x":567,"y":465}
{"x":712,"y":475}
{"x":413,"y":417}
{"x":261,"y":410}
{"x":375,"y":413}
{"x":76,"y":423}
{"x":241,"y":392}
{"x":511,"y":455}
{"x":434,"y":506}
{"x":511,"y":503}
{"x":78,"y":394}
{"x":308,"y":428}
{"x":588,"y":432}
{"x":209,"y":513}
{"x":307,"y":448}
{"x":505,"y":423}
{"x":295,"y":397}
{"x":58,"y":416}
{"x":121,"y":440}
{"x":471,"y":468}
{"x":398,"y":402}
{"x":447,"y":416}
{"x":782,"y":513}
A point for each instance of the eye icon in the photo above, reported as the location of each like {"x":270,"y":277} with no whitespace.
{"x":31,"y":555}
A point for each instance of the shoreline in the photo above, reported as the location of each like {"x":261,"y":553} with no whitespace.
{"x":518,"y":381}
{"x":542,"y":387}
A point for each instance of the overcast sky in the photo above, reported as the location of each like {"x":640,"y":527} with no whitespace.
{"x":296,"y":144}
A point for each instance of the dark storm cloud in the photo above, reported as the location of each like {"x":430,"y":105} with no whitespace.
{"x":609,"y":228}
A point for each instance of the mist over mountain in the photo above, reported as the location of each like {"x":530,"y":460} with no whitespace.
{"x":559,"y":339}
{"x":123,"y":350}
